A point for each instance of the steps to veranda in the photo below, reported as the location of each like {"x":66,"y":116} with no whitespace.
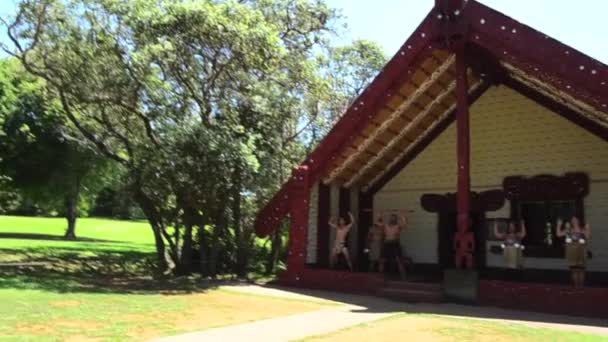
{"x":412,"y":291}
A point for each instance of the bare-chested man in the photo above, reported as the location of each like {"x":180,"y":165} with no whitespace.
{"x":391,"y":250}
{"x":342,"y":230}
{"x":375,"y":239}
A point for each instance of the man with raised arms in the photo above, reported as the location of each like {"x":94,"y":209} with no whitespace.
{"x":342,"y":229}
{"x":391,"y":249}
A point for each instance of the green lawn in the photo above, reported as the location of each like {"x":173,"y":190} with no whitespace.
{"x":101,"y":286}
{"x":108,"y":252}
{"x":88,"y":228}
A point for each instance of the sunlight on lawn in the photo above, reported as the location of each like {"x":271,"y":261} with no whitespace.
{"x":421,"y":327}
{"x":87,"y":228}
{"x":100,"y":287}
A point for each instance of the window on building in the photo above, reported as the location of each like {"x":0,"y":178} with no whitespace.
{"x":542,"y":200}
{"x":541,"y":218}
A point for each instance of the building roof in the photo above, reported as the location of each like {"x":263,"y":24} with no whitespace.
{"x":413,"y":98}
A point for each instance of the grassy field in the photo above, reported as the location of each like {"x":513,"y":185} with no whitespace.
{"x":100,"y":288}
{"x":423,"y":327}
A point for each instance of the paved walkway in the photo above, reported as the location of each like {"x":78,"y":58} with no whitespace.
{"x":283,"y":329}
{"x":361,"y":309}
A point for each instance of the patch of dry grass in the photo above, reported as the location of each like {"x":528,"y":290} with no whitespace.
{"x":89,"y":317}
{"x":448,"y":329}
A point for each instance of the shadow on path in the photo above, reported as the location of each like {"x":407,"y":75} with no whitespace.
{"x":380,"y":305}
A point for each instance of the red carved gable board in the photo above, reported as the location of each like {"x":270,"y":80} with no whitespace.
{"x":528,"y":57}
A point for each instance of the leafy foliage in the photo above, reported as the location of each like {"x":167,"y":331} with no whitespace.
{"x":38,"y":156}
{"x":206,"y":105}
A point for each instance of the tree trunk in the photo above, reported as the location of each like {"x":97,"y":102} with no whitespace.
{"x":70,"y":206}
{"x":71,"y":211}
{"x":202,"y":249}
{"x":147,"y":206}
{"x":275,"y":251}
{"x":241,"y":243}
{"x":161,"y":257}
{"x":185,"y":262}
{"x":220,"y":226}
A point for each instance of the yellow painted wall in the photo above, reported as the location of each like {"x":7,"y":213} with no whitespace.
{"x":510,"y":135}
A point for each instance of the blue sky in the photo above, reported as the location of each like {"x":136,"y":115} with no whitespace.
{"x":582,"y":24}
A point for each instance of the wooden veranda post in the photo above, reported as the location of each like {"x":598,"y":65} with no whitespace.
{"x":298,"y":213}
{"x":464,"y":239}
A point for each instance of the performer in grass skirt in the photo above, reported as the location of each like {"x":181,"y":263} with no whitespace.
{"x":576,"y":237}
{"x":512,"y":246}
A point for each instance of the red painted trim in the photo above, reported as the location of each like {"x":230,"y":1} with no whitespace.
{"x":558,"y":108}
{"x":323,"y":226}
{"x":366,"y":219}
{"x":298,"y":214}
{"x":550,"y":298}
{"x":354,"y":282}
{"x":424,"y":143}
{"x":448,"y":5}
{"x":396,"y":72}
{"x":463,"y":141}
{"x":550,"y":61}
{"x":270,"y":217}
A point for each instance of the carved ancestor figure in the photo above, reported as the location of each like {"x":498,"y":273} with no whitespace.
{"x":342,"y":229}
{"x":464,"y":246}
{"x":577,"y":237}
{"x":512,"y":246}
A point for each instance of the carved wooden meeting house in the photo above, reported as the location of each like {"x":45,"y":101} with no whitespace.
{"x":476,"y":120}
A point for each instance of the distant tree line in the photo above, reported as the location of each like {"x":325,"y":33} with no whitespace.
{"x":190,"y":114}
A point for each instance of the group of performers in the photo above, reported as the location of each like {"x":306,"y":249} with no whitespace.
{"x":383,"y":241}
{"x":575,"y":234}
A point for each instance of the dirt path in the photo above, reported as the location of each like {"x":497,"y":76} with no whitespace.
{"x":353,"y":310}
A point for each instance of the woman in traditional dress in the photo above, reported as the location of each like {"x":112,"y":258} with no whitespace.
{"x":576,"y":236}
{"x":512,"y":246}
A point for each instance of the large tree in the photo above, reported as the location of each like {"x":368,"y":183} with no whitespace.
{"x":38,"y":155}
{"x":191,"y":98}
{"x":206,"y":105}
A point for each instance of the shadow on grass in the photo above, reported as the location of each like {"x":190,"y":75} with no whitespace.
{"x":48,"y":237}
{"x":80,"y":269}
